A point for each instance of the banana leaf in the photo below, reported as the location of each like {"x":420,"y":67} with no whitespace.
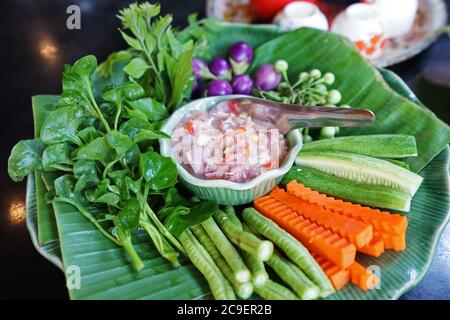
{"x":218,"y":37}
{"x":49,"y":249}
{"x":47,"y":231}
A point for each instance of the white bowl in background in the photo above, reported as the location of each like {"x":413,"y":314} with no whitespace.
{"x":300,"y":14}
{"x":397,"y":15}
{"x":362,"y":24}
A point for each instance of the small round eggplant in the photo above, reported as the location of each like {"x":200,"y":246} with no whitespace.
{"x":218,"y":87}
{"x":267,"y":78}
{"x":220,"y":68}
{"x":200,"y":70}
{"x":241,"y":57}
{"x":242,"y":84}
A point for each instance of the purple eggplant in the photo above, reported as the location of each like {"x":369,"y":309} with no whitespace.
{"x":267,"y":78}
{"x":218,"y":87}
{"x":242,"y":84}
{"x":221,"y":68}
{"x":200,"y":70}
{"x":241,"y":57}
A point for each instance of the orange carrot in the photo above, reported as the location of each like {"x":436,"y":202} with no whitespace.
{"x":338,"y":277}
{"x":397,"y":243}
{"x":315,"y":238}
{"x":362,"y":277}
{"x":374,"y":248}
{"x":356,"y":232}
{"x":391,"y":227}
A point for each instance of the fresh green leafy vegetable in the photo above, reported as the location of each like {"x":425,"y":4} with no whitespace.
{"x":183,"y":217}
{"x":56,"y":155}
{"x":163,"y":60}
{"x":25,"y":158}
{"x":61,"y":126}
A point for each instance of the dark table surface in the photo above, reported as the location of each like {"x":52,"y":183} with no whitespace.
{"x":35,"y":44}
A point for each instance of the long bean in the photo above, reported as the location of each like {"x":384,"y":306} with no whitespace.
{"x":275,"y":291}
{"x":219,"y":286}
{"x":231,"y":214}
{"x":227,"y":250}
{"x":291,"y":247}
{"x":294,"y":277}
{"x":243,"y":290}
{"x":246,"y":241}
{"x":256,"y":266}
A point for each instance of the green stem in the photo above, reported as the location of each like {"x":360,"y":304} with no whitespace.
{"x":117,"y":117}
{"x":62,"y":168}
{"x":125,"y":238}
{"x":108,"y":167}
{"x":162,"y":245}
{"x":91,"y":218}
{"x":97,"y":109}
{"x":162,"y":228}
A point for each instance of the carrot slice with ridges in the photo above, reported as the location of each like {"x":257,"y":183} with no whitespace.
{"x":312,"y":236}
{"x":357,"y":232}
{"x":375,"y":248}
{"x":338,"y":277}
{"x":382,"y":221}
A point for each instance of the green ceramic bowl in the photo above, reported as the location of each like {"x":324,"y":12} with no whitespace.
{"x":222,"y":191}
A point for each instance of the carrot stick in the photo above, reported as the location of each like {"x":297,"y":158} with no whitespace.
{"x":315,"y":238}
{"x":374,"y":248}
{"x":391,"y":227}
{"x":362,"y":277}
{"x":338,"y":277}
{"x":356,"y":232}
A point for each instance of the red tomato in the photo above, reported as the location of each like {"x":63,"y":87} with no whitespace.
{"x":189,"y":127}
{"x":267,"y":9}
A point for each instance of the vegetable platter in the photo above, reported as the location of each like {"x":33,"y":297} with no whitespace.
{"x":358,"y":215}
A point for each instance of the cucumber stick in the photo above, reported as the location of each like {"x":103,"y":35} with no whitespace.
{"x":399,"y":163}
{"x":393,"y":146}
{"x":361,"y":169}
{"x":367,"y":194}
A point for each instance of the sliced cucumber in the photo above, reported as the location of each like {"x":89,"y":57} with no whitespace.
{"x":361,"y":169}
{"x":399,"y":163}
{"x":379,"y":146}
{"x":367,"y":194}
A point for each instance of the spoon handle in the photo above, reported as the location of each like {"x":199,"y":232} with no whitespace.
{"x":287,"y":117}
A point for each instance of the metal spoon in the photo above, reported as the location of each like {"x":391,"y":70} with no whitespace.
{"x":287,"y":117}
